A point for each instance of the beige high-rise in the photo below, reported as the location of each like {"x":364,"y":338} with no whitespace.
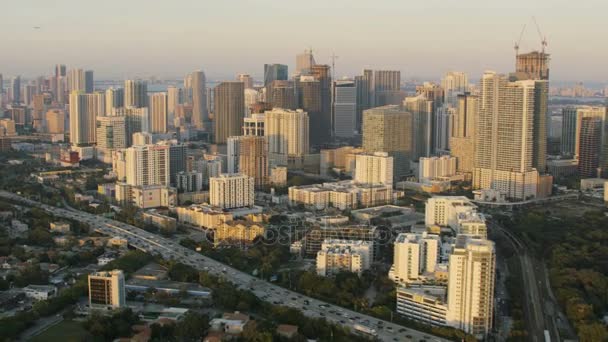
{"x":287,"y":134}
{"x":505,"y":137}
{"x":472,"y":269}
{"x":229,"y":104}
{"x":158,"y":113}
{"x":253,"y":159}
{"x":84,"y":109}
{"x":388,"y":129}
{"x":462,"y":139}
{"x":55,"y":121}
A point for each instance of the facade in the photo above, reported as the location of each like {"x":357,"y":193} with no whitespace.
{"x":229,"y":104}
{"x":230,"y":191}
{"x":136,"y":121}
{"x":454,"y":83}
{"x":84,"y":109}
{"x":115,"y":98}
{"x":505,"y":137}
{"x":443,"y":210}
{"x":415,"y":255}
{"x":304,"y":62}
{"x":158,"y":111}
{"x":254,"y":125}
{"x":436,"y":167}
{"x":322,"y":73}
{"x":136,"y":93}
{"x":388,"y":129}
{"x":422,"y":111}
{"x":462,"y":138}
{"x":338,"y":256}
{"x":111,"y":135}
{"x":590,"y":137}
{"x":200,"y":115}
{"x":107,"y":290}
{"x":374,"y":168}
{"x":423,"y":303}
{"x":342,"y":195}
{"x":344,"y":109}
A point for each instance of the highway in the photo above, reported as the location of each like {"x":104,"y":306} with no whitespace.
{"x":168,"y":249}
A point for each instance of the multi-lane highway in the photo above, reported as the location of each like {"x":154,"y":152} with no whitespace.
{"x":155,"y":244}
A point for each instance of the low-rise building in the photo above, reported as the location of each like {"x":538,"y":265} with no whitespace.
{"x":167,"y":223}
{"x":344,"y":255}
{"x":40,"y":292}
{"x":342,"y":195}
{"x":237,"y":232}
{"x":426,"y":304}
{"x":203,"y":216}
{"x":60,"y":227}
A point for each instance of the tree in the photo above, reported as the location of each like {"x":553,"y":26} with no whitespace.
{"x":192,"y":327}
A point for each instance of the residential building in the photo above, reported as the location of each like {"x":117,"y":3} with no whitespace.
{"x":107,"y":290}
{"x":344,"y":109}
{"x":462,"y":139}
{"x":158,"y":110}
{"x":230,"y":191}
{"x":84,"y":109}
{"x":415,"y":254}
{"x":147,"y":165}
{"x":287,"y":132}
{"x":200,"y":115}
{"x":237,"y":232}
{"x":436,"y":167}
{"x":374,"y":168}
{"x":136,"y":93}
{"x":338,"y":256}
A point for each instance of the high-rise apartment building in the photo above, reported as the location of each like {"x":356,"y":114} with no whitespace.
{"x":115,"y":98}
{"x":16,"y":90}
{"x":505,"y":137}
{"x":535,"y":65}
{"x":571,"y":133}
{"x":254,"y":125}
{"x":253,"y":159}
{"x":111,"y":133}
{"x":282,"y":94}
{"x":229,"y":191}
{"x":107,"y":290}
{"x":415,"y":255}
{"x":309,"y":100}
{"x":388,"y":129}
{"x":200,"y":115}
{"x":436,"y":167}
{"x":462,"y":139}
{"x":344,"y":116}
{"x":158,"y":110}
{"x":374,"y":168}
{"x":421,"y":110}
{"x":246,"y":79}
{"x":363,"y":83}
{"x":590,"y":137}
{"x":136,"y":93}
{"x":147,"y":165}
{"x":137,"y":120}
{"x":386,"y":85}
{"x":84,"y":109}
{"x":80,"y":80}
{"x":229,"y":110}
{"x":175,"y":97}
{"x":471,"y":273}
{"x":454,"y":83}
{"x":287,"y":134}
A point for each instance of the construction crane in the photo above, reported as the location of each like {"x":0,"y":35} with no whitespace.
{"x":543,"y":39}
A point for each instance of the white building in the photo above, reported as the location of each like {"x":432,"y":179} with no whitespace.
{"x":231,"y":191}
{"x":426,"y":304}
{"x":147,"y":165}
{"x":472,"y":270}
{"x":40,"y":292}
{"x":443,"y":210}
{"x":344,"y":255}
{"x":415,"y":255}
{"x":203,"y":216}
{"x":374,"y":168}
{"x":342,"y":195}
{"x":436,"y":167}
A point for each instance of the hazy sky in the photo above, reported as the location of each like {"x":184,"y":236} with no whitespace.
{"x":168,"y":38}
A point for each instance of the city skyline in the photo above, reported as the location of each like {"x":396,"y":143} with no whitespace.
{"x":170,"y":40}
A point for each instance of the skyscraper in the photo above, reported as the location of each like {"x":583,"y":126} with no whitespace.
{"x":462,"y":140}
{"x":137,"y":120}
{"x":175,"y":97}
{"x":115,"y":98}
{"x":388,"y":129}
{"x":374,"y":168}
{"x":55,"y":121}
{"x":147,"y":165}
{"x":304,"y":62}
{"x":344,"y":109}
{"x":505,"y":137}
{"x":421,"y":109}
{"x":136,"y":93}
{"x":16,"y":90}
{"x":309,"y":100}
{"x":274,"y":72}
{"x":321,"y":73}
{"x":363,"y":84}
{"x":84,"y":109}
{"x":231,"y":191}
{"x":589,"y":146}
{"x":287,"y":134}
{"x":535,"y":65}
{"x":414,"y":255}
{"x":472,"y":269}
{"x":60,"y":70}
{"x":385,"y":85}
{"x":200,"y":116}
{"x":229,"y":110}
{"x":89,"y":83}
{"x":453,"y":84}
{"x":253,"y":159}
{"x":158,"y":113}
{"x":111,"y":134}
{"x":80,"y":80}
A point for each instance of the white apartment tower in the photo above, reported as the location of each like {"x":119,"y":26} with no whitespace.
{"x":374,"y":168}
{"x":159,"y":113}
{"x":472,"y":269}
{"x":230,"y":191}
{"x":147,"y":165}
{"x":84,"y":109}
{"x":415,"y":254}
{"x":287,"y":134}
